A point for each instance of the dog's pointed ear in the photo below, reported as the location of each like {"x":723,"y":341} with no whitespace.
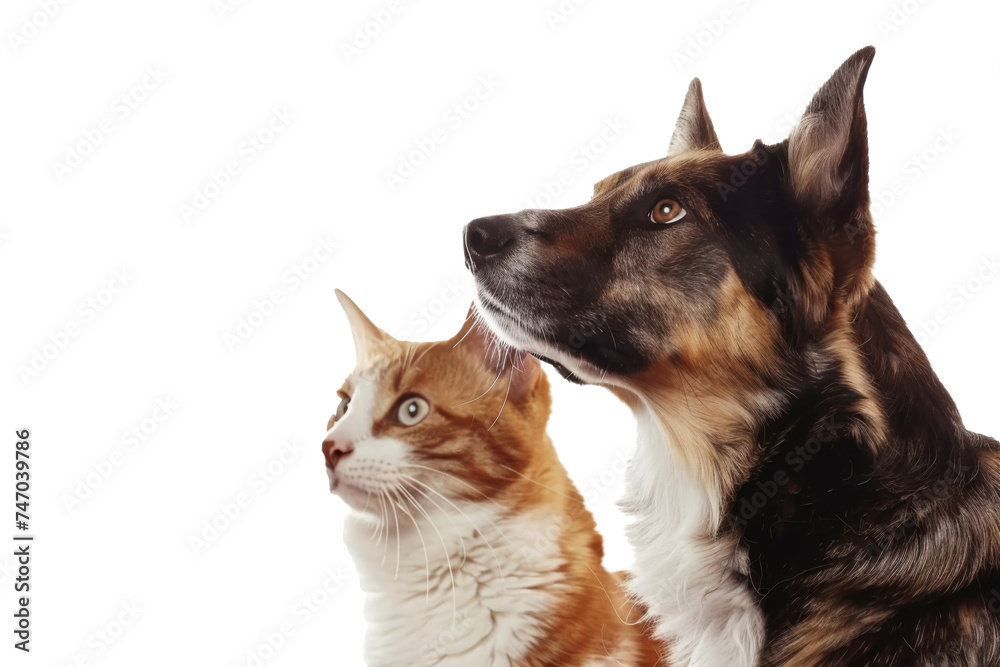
{"x":366,"y":334}
{"x":828,"y":150}
{"x":828,"y":178}
{"x":694,"y":129}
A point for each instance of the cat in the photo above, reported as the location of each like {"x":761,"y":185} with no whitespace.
{"x":471,"y":543}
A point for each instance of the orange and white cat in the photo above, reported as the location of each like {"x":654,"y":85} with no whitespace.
{"x":471,"y":543}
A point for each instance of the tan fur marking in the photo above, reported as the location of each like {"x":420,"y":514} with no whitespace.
{"x":841,"y":343}
{"x":707,"y":392}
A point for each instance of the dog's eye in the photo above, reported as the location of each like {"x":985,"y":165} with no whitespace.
{"x":666,"y":211}
{"x":412,"y":410}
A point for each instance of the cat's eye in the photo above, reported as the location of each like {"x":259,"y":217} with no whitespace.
{"x":667,"y":211}
{"x":342,"y":408}
{"x":412,"y":410}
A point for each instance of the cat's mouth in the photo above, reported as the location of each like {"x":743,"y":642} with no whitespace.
{"x":357,"y":499}
{"x":348,"y":492}
{"x":358,"y":496}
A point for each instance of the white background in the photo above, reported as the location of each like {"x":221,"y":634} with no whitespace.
{"x":323,"y":176}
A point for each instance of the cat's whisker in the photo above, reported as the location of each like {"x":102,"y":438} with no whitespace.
{"x":510,"y":379}
{"x":458,"y":532}
{"x":395,"y":520}
{"x":427,"y":563}
{"x":385,"y":522}
{"x":523,"y":476}
{"x":444,"y":545}
{"x":464,"y":483}
{"x":497,"y":379}
{"x":411,"y":360}
{"x":377,"y":525}
{"x":477,"y":324}
{"x":517,"y":362}
{"x":381,"y":519}
{"x":472,"y":523}
{"x":604,"y":645}
{"x":368,"y":497}
{"x":408,"y":357}
{"x":623,"y":621}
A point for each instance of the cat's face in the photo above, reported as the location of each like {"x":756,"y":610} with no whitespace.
{"x":432,"y":422}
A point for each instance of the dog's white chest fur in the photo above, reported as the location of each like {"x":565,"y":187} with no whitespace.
{"x":682,"y":573}
{"x":483,"y":609}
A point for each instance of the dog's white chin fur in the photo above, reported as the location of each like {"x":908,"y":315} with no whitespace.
{"x":691,"y":581}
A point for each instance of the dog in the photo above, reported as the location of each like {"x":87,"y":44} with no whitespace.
{"x":804,"y":491}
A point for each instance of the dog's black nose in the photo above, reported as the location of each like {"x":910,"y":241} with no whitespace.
{"x":488,"y":238}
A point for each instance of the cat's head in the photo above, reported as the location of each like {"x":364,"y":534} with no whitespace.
{"x":458,"y":419}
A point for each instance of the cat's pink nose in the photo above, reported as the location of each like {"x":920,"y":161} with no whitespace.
{"x":334,"y":450}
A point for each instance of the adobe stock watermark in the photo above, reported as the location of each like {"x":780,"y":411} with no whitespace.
{"x":788,"y":121}
{"x":292,"y":279}
{"x":453,"y":118}
{"x":218,"y":180}
{"x":122,"y":106}
{"x":299,"y":614}
{"x":131,"y":440}
{"x":957,"y":298}
{"x":561,"y":12}
{"x":437,"y":648}
{"x":740,"y":174}
{"x":107,"y":635}
{"x":455,"y":291}
{"x":87,"y":311}
{"x":954,"y":478}
{"x":223,"y":8}
{"x":595,"y":487}
{"x":32,"y":24}
{"x":900,"y":14}
{"x":711,"y":30}
{"x":582,"y":157}
{"x":913,"y":169}
{"x":257,"y":483}
{"x":772,"y":482}
{"x":365,"y":33}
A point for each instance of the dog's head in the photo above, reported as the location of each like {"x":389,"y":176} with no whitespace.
{"x":693,"y":255}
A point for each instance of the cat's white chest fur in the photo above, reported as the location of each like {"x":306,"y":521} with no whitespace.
{"x":682,"y":573}
{"x":470,"y":589}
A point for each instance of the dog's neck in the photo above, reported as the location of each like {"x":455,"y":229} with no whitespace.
{"x":860,"y":396}
{"x":864,"y":374}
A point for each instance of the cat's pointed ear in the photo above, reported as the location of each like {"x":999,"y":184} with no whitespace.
{"x":365,"y":333}
{"x":524,"y":372}
{"x":475,"y":336}
{"x":828,"y":150}
{"x":694,"y":129}
{"x":516,"y":371}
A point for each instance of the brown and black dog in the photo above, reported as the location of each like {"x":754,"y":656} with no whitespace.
{"x":804,"y":491}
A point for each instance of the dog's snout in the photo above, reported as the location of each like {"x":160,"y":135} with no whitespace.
{"x":488,"y":238}
{"x":334,"y":450}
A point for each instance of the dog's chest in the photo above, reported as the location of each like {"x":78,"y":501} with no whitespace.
{"x":813,"y":494}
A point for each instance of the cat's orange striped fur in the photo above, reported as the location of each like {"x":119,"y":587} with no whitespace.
{"x":472,"y":544}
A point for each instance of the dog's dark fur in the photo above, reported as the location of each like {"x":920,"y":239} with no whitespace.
{"x":870,"y":516}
